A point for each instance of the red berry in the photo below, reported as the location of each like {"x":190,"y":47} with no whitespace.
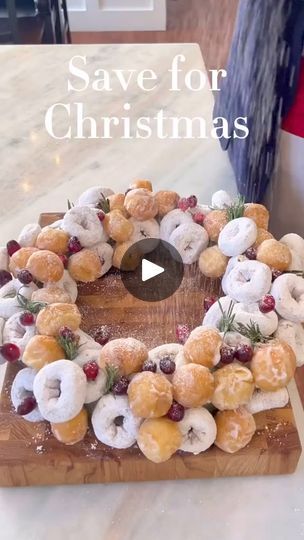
{"x":91,"y":370}
{"x":67,"y":333}
{"x":176,"y":412}
{"x":276,"y":274}
{"x":183,"y":204}
{"x":12,"y":246}
{"x":64,"y":259}
{"x":27,"y":406}
{"x":149,"y":365}
{"x":199,"y":218}
{"x":243,"y":353}
{"x":101,"y":215}
{"x":227,"y":354}
{"x":120,"y":387}
{"x":27,"y":318}
{"x":25,"y":277}
{"x":5,"y":277}
{"x":10,"y":352}
{"x":192,"y":201}
{"x":74,"y":246}
{"x":101,"y":335}
{"x":182,"y":333}
{"x":251,"y":253}
{"x":267,"y":304}
{"x":167,"y":366}
{"x":209,"y":301}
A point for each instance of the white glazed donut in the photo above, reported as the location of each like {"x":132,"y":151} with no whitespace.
{"x":221,"y":200}
{"x":83,"y":222}
{"x":69,"y":285}
{"x":250,"y":313}
{"x":144,"y":230}
{"x":105,"y":254}
{"x":114,"y":423}
{"x":237,"y":236}
{"x":231,"y":264}
{"x":174,"y":351}
{"x":171,"y":221}
{"x":22,"y":388}
{"x":4,"y":259}
{"x":29,"y":235}
{"x":86,"y":342}
{"x":233,"y":339}
{"x":200,"y":209}
{"x":189,"y":239}
{"x":198,"y":429}
{"x":248,"y":281}
{"x":17,"y":333}
{"x":58,"y":224}
{"x":60,"y":390}
{"x":95,"y":389}
{"x":214,"y":314}
{"x":263,"y":401}
{"x":293,"y":334}
{"x":296,"y":246}
{"x":288,"y":292}
{"x":2,"y":323}
{"x":92,"y":196}
{"x":8,"y":297}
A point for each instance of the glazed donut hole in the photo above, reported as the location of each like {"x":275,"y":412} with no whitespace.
{"x":235,"y":429}
{"x":123,"y":262}
{"x":274,"y":254}
{"x":203,"y":347}
{"x":159,"y":439}
{"x":51,"y":295}
{"x":54,"y":240}
{"x":258,"y":213}
{"x":126,"y":354}
{"x":150,"y":395}
{"x":234,"y":386}
{"x":166,"y":202}
{"x":19,"y":259}
{"x":54,"y":316}
{"x":262,"y":234}
{"x":273,"y":365}
{"x":42,"y":350}
{"x":214,"y":222}
{"x":141,"y":204}
{"x":85,"y":266}
{"x":193,"y":385}
{"x":141,"y":184}
{"x":45,"y":266}
{"x":72,"y":431}
{"x":212,"y":262}
{"x":117,"y":226}
{"x":117,"y":201}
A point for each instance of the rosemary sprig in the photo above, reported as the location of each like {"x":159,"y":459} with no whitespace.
{"x":103,"y":204}
{"x":227,"y":321}
{"x":27,"y":305}
{"x":237,"y":209}
{"x":70,"y":346}
{"x":70,"y":205}
{"x":112,"y":374}
{"x":252,"y":331}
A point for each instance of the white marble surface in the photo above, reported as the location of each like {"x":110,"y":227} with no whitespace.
{"x":38,"y":174}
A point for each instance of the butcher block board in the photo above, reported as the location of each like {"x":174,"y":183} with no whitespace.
{"x":30,"y":455}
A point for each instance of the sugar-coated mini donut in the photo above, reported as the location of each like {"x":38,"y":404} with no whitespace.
{"x":171,"y":351}
{"x":15,"y":332}
{"x":262,"y":235}
{"x":72,"y":431}
{"x":45,"y":266}
{"x":141,"y":184}
{"x":166,"y":202}
{"x":203,"y":347}
{"x":221,"y":200}
{"x":263,"y":401}
{"x":52,"y":294}
{"x":274,"y":254}
{"x":145,"y":230}
{"x":295,"y":243}
{"x":233,"y":339}
{"x":83,"y":223}
{"x":125,"y":260}
{"x":69,"y":285}
{"x":95,"y":389}
{"x":150,"y":395}
{"x":117,"y":226}
{"x":293,"y":334}
{"x":4,"y":259}
{"x":198,"y":429}
{"x":189,"y":239}
{"x":159,"y":439}
{"x":171,"y":221}
{"x":2,"y":323}
{"x":214,"y":222}
{"x":28,"y":235}
{"x":54,"y":240}
{"x":258,"y":213}
{"x":9,"y":304}
{"x":235,"y":429}
{"x":127,"y":354}
{"x":94,"y":196}
{"x":288,"y":292}
{"x":193,"y":385}
{"x":54,"y":316}
{"x":248,"y":281}
{"x":105,"y":254}
{"x":231,"y":264}
{"x":141,"y":204}
{"x":42,"y":350}
{"x":113,"y":422}
{"x":19,"y":259}
{"x":22,"y":388}
{"x":251,"y":313}
{"x":273,"y":365}
{"x":237,"y":236}
{"x":212,"y":262}
{"x":86,"y":342}
{"x":60,"y":389}
{"x":85,"y":266}
{"x":234,"y":386}
{"x":117,"y":201}
{"x":214,"y":315}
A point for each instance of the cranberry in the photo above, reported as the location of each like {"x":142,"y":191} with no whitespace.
{"x":66,"y":333}
{"x":251,"y":253}
{"x":5,"y":277}
{"x":25,"y":277}
{"x":64,"y":259}
{"x":101,"y":215}
{"x":27,"y":406}
{"x":167,"y":366}
{"x":267,"y":304}
{"x":74,"y":246}
{"x":208,"y":302}
{"x":243,"y":353}
{"x":27,"y":318}
{"x":276,"y":274}
{"x":91,"y":370}
{"x":12,"y":246}
{"x":10,"y":352}
{"x":182,"y":333}
{"x":192,"y":201}
{"x":183,"y":204}
{"x":199,"y":218}
{"x":101,"y":335}
{"x":120,"y":387}
{"x":176,"y":412}
{"x":149,"y":365}
{"x":227,"y":354}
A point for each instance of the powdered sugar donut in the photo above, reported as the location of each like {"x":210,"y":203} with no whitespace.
{"x":221,"y":200}
{"x":214,"y":314}
{"x":237,"y":236}
{"x":233,"y":339}
{"x":86,"y":342}
{"x":248,"y":281}
{"x":9,"y":304}
{"x":200,"y":209}
{"x":60,"y":390}
{"x":15,"y":332}
{"x":143,"y":230}
{"x":171,"y":221}
{"x":29,"y":235}
{"x":4,"y":259}
{"x":95,"y":389}
{"x":83,"y":223}
{"x":93,"y":196}
{"x":250,"y":313}
{"x":293,"y":334}
{"x":288,"y":292}
{"x":69,"y":285}
{"x":296,"y":246}
{"x":231,"y":264}
{"x":189,"y":239}
{"x":2,"y":323}
{"x":114,"y":423}
{"x":198,"y":429}
{"x":172,"y":351}
{"x":22,"y":388}
{"x":105,"y":254}
{"x":263,"y":401}
{"x":58,"y":224}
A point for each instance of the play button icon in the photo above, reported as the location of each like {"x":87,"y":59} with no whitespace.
{"x":159,"y":270}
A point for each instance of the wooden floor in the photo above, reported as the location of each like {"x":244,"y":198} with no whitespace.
{"x":207,"y":22}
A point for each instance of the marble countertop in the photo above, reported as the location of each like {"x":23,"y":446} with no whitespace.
{"x":38,"y":174}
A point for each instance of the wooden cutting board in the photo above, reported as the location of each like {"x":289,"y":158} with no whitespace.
{"x":29,"y":454}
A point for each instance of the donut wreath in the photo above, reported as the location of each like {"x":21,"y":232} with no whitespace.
{"x":203,"y":390}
